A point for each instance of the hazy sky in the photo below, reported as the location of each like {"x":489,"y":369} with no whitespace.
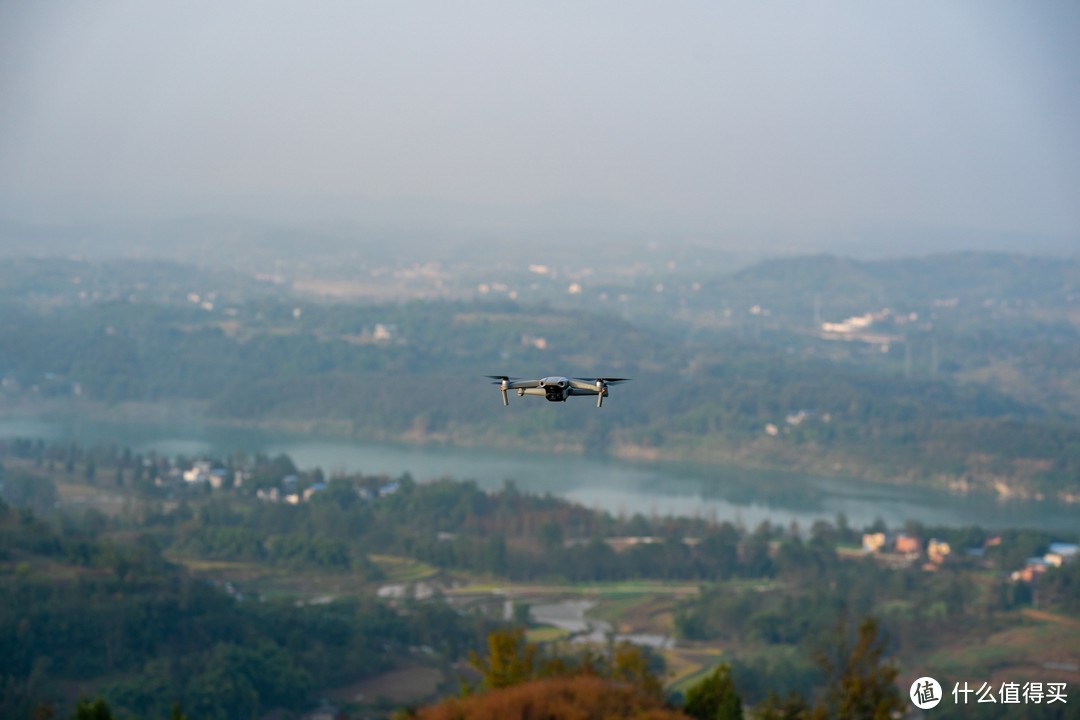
{"x":775,"y":116}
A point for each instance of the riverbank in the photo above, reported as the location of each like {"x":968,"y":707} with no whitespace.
{"x":767,"y":454}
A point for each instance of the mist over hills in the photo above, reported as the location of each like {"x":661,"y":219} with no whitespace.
{"x":971,"y":277}
{"x":422,"y":231}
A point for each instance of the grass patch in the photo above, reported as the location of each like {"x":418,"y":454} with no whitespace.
{"x":477,"y":588}
{"x":198,"y":565}
{"x":638,"y":613}
{"x":406,"y":685}
{"x":274,"y":583}
{"x":399,"y":569}
{"x":1026,"y":645}
{"x":895,"y":608}
{"x":546,"y":634}
{"x":640,"y":588}
{"x":613,"y":609}
{"x":686,"y":666}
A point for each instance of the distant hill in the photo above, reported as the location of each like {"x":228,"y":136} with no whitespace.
{"x":967,"y":276}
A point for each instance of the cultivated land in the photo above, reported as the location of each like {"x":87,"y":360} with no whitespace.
{"x":995,"y":643}
{"x":1033,"y":644}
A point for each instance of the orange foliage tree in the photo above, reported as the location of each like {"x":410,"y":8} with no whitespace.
{"x":581,"y":697}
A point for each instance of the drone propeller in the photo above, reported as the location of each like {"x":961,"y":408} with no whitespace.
{"x":602,"y":386}
{"x":503,"y":381}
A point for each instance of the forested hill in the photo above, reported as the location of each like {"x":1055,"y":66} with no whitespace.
{"x":971,"y":276}
{"x":977,"y":388}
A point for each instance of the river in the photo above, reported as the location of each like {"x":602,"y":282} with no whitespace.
{"x":621,"y":488}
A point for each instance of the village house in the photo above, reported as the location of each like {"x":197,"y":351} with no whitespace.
{"x":873,"y":542}
{"x":1057,"y":554}
{"x":1060,"y":553}
{"x":907,"y":544}
{"x":937,"y":550}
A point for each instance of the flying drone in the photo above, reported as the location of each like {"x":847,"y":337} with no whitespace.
{"x":556,"y":389}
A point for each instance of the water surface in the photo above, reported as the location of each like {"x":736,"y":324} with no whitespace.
{"x":622,"y":488}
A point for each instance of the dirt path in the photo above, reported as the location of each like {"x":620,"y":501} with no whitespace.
{"x":1051,"y":617}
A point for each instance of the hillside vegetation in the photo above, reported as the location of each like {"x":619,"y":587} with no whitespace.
{"x":237,"y":604}
{"x":966,"y":377}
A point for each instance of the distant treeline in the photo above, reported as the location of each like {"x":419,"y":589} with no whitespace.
{"x":450,"y":524}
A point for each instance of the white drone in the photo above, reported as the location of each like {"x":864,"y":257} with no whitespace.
{"x":556,"y":389}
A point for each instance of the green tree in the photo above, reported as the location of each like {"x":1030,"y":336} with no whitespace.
{"x":714,"y":697}
{"x":860,"y":685}
{"x":95,"y":709}
{"x":630,"y":663}
{"x":551,"y":536}
{"x":521,"y":614}
{"x":793,"y":707}
{"x":495,"y":555}
{"x":510,"y":659}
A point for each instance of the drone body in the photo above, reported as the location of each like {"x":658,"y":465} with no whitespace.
{"x":556,"y":388}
